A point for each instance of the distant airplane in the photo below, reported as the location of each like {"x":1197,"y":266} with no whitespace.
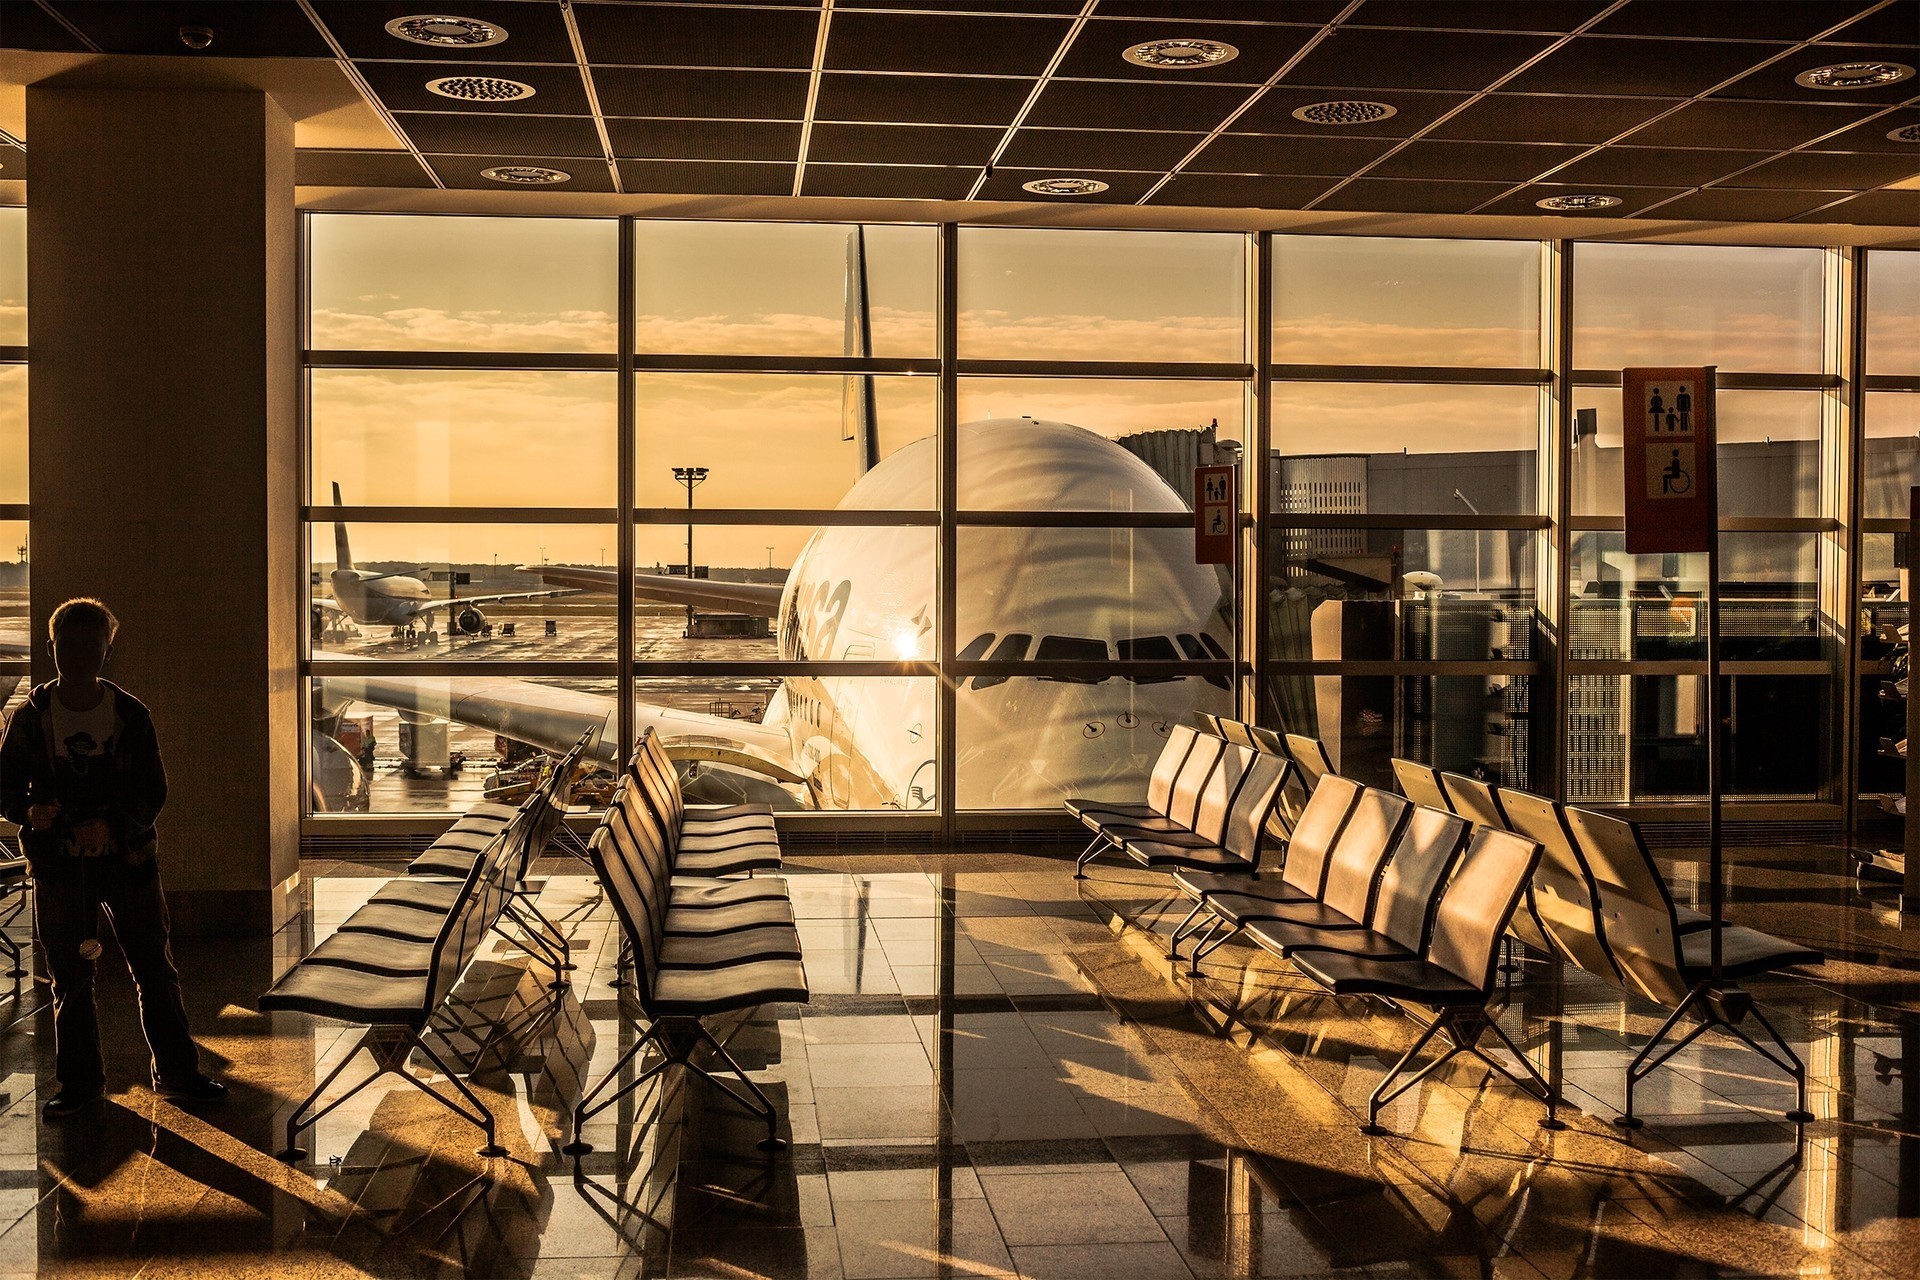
{"x":869,"y":594}
{"x":398,"y":600}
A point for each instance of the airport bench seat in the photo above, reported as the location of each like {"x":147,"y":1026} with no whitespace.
{"x":1197,"y":855}
{"x":1287,"y":938}
{"x":775,"y":940}
{"x":732,"y":918}
{"x":1744,"y":953}
{"x":702,"y":993}
{"x":1406,"y":978}
{"x":363,"y":996}
{"x":375,"y":952}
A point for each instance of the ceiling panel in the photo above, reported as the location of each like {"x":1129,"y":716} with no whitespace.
{"x":704,"y":139}
{"x":1512,"y":117}
{"x":904,"y":144}
{"x":742,"y":95}
{"x":1777,"y":125}
{"x":1832,"y":171}
{"x":1875,"y":208}
{"x":1776,"y":82}
{"x":1488,"y":15}
{"x":13,"y":164}
{"x":1659,"y":167}
{"x":1359,"y":58}
{"x":1243,"y":153}
{"x":888,"y":182}
{"x":358,"y":169}
{"x":476,"y":133}
{"x":1655,"y":68}
{"x":402,"y":86}
{"x":1872,"y":135}
{"x":1413,"y":111}
{"x":535,"y":32}
{"x":1381,"y":195}
{"x":1096,"y":52}
{"x":25,"y":25}
{"x":1098,"y":149}
{"x":956,"y":44}
{"x":957,"y":6}
{"x":1735,"y":204}
{"x":1238,"y":190}
{"x":683,"y":36}
{"x":1632,"y":200}
{"x":1897,"y":23}
{"x":1507,"y":162}
{"x":1310,"y":11}
{"x":463,"y":172}
{"x":1123,"y":188}
{"x":899,"y":99}
{"x":1787,"y":20}
{"x":692,"y":178}
{"x":1093,"y":104}
{"x":259,"y":29}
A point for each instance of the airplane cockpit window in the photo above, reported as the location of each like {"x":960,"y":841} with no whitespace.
{"x":1190,"y":647}
{"x":1219,"y":652}
{"x":976,"y":648}
{"x":1148,"y":649}
{"x":1012,"y":648}
{"x":1072,"y":649}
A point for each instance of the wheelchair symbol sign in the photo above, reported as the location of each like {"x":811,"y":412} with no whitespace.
{"x":1670,"y":470}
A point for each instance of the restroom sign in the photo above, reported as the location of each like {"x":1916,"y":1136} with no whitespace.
{"x":1668,"y":455}
{"x":1216,"y":499}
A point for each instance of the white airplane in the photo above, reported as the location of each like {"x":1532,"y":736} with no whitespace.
{"x":399,"y":600}
{"x":868,"y":594}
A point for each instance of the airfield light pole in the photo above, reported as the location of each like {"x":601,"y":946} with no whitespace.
{"x":690,"y":477}
{"x":1468,"y":504}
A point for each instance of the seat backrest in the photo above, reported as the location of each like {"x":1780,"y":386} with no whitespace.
{"x":1314,"y":835}
{"x":1253,"y":808}
{"x":1563,"y":892}
{"x":1637,"y":917}
{"x":1241,"y":734}
{"x":1220,"y":790}
{"x":1180,"y":740}
{"x":466,"y":923}
{"x":1190,"y":785}
{"x":1429,"y":844}
{"x":1477,"y":903}
{"x":1420,"y":783}
{"x":662,"y":779}
{"x":631,"y":861}
{"x":1354,"y":866}
{"x":1473,"y":800}
{"x":1311,"y":755}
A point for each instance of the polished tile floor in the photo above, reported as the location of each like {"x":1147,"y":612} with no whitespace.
{"x":998,"y":1075}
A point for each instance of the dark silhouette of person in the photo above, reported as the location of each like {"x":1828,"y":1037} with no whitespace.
{"x":1683,"y":401}
{"x":1656,"y":406}
{"x":1673,"y":422}
{"x":80,"y":774}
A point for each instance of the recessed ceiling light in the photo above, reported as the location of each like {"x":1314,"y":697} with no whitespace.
{"x":1181,"y":54}
{"x":526,"y":175}
{"x":1854,"y":75}
{"x":1905,"y":133}
{"x":480,"y":88}
{"x":444,"y":31}
{"x":1064,"y":186}
{"x":1348,"y":111}
{"x":1577,"y":204}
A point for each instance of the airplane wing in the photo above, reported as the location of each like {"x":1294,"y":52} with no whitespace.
{"x":553,"y":718}
{"x":455,"y":601}
{"x":760,"y":599}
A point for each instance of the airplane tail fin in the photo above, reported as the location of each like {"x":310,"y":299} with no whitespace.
{"x":342,"y":553}
{"x":859,"y":417}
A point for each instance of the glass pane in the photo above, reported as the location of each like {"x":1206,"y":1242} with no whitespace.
{"x":1044,"y":294}
{"x":840,"y":593}
{"x":1879,"y":581}
{"x":434,"y":438}
{"x":1883,"y":725}
{"x":414,"y":744}
{"x":392,"y":282}
{"x":1893,"y":312}
{"x":786,"y":440}
{"x":445,"y":591}
{"x":1376,"y":594}
{"x":1891,"y":465}
{"x":764,"y":288}
{"x":1653,"y":606}
{"x":16,"y":626}
{"x":1477,"y":725}
{"x":1769,"y":453}
{"x":1746,"y":309}
{"x":1387,"y":448}
{"x":13,"y":433}
{"x":1136,"y":449}
{"x":1642,"y":737}
{"x":1355,"y":300}
{"x":13,"y":277}
{"x":798,"y":742}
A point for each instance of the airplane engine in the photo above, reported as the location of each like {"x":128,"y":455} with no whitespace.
{"x":467,"y":621}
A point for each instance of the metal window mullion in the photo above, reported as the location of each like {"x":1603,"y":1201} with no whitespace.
{"x":1411,"y":375}
{"x":946,"y":479}
{"x":793,"y":516}
{"x":530,"y":361}
{"x":1736,"y":381}
{"x":671,"y":362}
{"x":444,"y":668}
{"x":1148,"y":370}
{"x":302,"y":542}
{"x":1557,"y":312}
{"x":1843,"y":429}
{"x":1257,"y":468}
{"x":318,"y":514}
{"x":625,"y":467}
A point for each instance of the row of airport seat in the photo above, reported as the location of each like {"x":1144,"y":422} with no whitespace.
{"x":701,"y":945}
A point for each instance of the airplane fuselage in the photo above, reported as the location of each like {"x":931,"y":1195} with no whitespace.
{"x":378,"y":600}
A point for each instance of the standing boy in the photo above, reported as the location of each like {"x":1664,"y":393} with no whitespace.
{"x":80,"y":774}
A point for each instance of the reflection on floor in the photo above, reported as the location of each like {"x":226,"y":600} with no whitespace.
{"x":997,"y":1077}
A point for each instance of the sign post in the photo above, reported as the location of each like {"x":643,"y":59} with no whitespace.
{"x":1673,"y":505}
{"x":1216,"y":502}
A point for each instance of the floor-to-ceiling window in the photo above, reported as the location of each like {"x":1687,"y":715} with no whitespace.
{"x":14,"y":546}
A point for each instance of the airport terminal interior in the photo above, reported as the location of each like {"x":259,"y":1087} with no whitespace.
{"x":1037,"y":639}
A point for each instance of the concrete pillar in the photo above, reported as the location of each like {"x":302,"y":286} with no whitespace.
{"x":163,"y":451}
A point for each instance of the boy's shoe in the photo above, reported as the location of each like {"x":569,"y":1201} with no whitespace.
{"x":69,"y":1101}
{"x":198,"y":1089}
